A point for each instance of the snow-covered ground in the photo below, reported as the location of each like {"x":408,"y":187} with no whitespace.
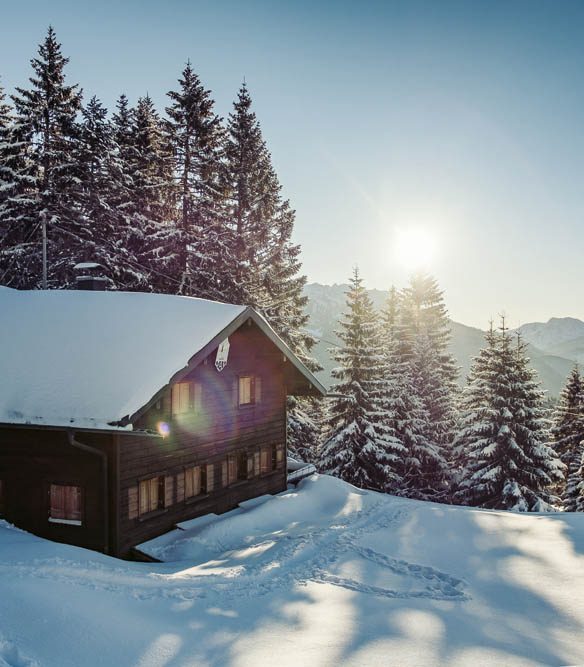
{"x":321,"y":575}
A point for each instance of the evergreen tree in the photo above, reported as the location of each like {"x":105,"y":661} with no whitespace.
{"x":305,"y":424}
{"x":426,"y":331}
{"x":568,"y":436}
{"x":508,"y":464}
{"x":199,"y":243}
{"x":265,"y":269}
{"x":150,"y":208}
{"x":414,"y":459}
{"x":358,"y":448}
{"x":46,"y":186}
{"x":424,"y":375}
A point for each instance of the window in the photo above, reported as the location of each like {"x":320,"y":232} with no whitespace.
{"x":232,"y":469}
{"x":246,"y":390}
{"x":151,"y":495}
{"x":2,"y":501}
{"x":185,"y":397}
{"x":265,"y":460}
{"x":199,"y":481}
{"x":242,"y":466}
{"x":66,"y":504}
{"x":181,"y":398}
{"x":249,"y":389}
{"x":195,"y":481}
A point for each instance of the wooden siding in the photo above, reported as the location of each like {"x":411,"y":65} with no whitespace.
{"x":215,"y":428}
{"x":32,"y":459}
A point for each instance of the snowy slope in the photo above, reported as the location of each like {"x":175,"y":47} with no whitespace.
{"x":323,"y":575}
{"x":554,"y":332}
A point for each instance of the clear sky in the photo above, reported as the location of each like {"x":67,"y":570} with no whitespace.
{"x":464,"y":119}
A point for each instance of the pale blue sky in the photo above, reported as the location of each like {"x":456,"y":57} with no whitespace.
{"x":463,"y":117}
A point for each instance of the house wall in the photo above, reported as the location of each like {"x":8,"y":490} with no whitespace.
{"x":214,"y":429}
{"x":32,"y":459}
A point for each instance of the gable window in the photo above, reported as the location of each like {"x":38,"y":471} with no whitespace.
{"x":181,"y":398}
{"x":249,"y":390}
{"x":185,"y":397}
{"x":151,"y":495}
{"x":66,"y":504}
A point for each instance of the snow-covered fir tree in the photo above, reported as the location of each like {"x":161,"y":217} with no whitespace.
{"x":426,"y":328}
{"x":152,"y":195}
{"x":423,"y":372}
{"x":414,"y":459}
{"x":306,"y":427}
{"x":266,"y":269}
{"x":101,"y":177}
{"x":503,"y":438}
{"x":199,"y":248}
{"x":47,"y":133}
{"x":568,"y":436}
{"x":359,"y":448}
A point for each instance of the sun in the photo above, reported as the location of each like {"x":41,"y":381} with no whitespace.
{"x":415,"y":248}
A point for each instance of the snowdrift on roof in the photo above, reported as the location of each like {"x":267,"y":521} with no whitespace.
{"x":87,"y":359}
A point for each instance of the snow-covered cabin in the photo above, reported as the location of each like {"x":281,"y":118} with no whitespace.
{"x":122,"y":414}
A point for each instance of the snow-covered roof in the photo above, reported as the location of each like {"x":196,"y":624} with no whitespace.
{"x":86,"y":359}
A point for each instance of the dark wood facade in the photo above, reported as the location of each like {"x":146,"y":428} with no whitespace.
{"x":240,"y":448}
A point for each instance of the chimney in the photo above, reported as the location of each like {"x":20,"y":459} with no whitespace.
{"x":88,"y":278}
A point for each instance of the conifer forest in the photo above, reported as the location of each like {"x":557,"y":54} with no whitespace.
{"x":181,"y":201}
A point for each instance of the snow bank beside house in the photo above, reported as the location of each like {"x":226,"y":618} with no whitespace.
{"x":325,"y":574}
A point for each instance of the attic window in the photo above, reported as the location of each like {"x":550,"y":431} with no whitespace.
{"x":181,"y":395}
{"x":66,"y":504}
{"x":249,"y":389}
{"x":185,"y":397}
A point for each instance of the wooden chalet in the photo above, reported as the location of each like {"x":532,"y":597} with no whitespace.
{"x":122,"y":414}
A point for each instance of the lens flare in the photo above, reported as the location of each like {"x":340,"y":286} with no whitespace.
{"x":163,"y":428}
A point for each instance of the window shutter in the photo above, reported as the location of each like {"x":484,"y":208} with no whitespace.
{"x":258,"y":389}
{"x":224,"y":473}
{"x":235,"y":391}
{"x":181,"y":483}
{"x":210,"y":478}
{"x":133,"y":503}
{"x":256,"y":463}
{"x":191,"y":396}
{"x":144,"y":494}
{"x":168,"y":483}
{"x":198,"y":401}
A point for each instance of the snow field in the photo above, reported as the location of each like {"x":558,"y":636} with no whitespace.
{"x":325,"y":574}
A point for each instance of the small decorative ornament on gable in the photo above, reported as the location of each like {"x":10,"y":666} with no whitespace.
{"x":222,"y":354}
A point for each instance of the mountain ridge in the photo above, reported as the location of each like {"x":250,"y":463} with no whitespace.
{"x":553,"y":346}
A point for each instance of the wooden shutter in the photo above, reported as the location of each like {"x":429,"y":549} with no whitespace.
{"x":168,"y":490}
{"x":224,"y":478}
{"x":180,"y":486}
{"x":210,"y":478}
{"x":133,"y":503}
{"x":256,"y":463}
{"x":258,"y":389}
{"x":198,"y":396}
